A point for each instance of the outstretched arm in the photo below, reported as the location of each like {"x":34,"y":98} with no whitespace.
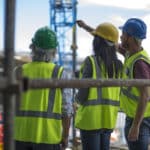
{"x":83,"y":25}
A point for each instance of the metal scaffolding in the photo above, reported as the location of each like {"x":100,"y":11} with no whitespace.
{"x":8,"y":97}
{"x":9,"y":87}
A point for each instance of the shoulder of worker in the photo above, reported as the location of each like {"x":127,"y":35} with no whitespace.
{"x":86,"y":67}
{"x":87,"y":59}
{"x":87,"y":62}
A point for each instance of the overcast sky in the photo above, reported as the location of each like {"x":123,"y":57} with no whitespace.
{"x":32,"y":14}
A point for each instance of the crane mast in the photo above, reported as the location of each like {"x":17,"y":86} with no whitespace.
{"x":63,"y":15}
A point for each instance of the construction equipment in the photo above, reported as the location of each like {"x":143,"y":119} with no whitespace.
{"x":62,"y":19}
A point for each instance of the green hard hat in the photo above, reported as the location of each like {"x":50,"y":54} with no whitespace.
{"x":45,"y":38}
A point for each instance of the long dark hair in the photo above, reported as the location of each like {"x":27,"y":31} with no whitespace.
{"x":108,"y":54}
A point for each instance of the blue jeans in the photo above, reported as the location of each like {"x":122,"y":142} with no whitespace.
{"x":95,"y":139}
{"x":144,"y":134}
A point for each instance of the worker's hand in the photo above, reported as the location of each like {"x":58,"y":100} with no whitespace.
{"x":81,"y":23}
{"x":64,"y":143}
{"x":133,"y":133}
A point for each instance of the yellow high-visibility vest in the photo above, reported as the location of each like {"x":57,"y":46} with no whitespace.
{"x":130,"y":95}
{"x":38,"y":119}
{"x":101,"y":108}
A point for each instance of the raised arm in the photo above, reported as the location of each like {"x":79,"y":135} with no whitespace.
{"x":83,"y":25}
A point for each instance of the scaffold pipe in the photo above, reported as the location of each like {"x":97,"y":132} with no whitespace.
{"x":26,"y":83}
{"x":85,"y":83}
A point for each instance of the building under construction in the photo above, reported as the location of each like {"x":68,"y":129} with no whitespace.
{"x":62,"y":18}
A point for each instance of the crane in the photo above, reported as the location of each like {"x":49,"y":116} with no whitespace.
{"x":62,"y":19}
{"x":63,"y":14}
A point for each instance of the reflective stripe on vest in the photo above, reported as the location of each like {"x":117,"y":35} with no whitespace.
{"x":129,"y":94}
{"x":102,"y":102}
{"x":49,"y":113}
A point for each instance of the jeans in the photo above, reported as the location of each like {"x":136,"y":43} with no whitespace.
{"x":144,"y":134}
{"x":33,"y":146}
{"x":95,"y":139}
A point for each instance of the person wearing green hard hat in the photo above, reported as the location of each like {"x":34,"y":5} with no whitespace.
{"x":45,"y":38}
{"x":42,"y":119}
{"x":44,"y":45}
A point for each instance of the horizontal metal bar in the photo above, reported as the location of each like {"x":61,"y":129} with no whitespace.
{"x":85,"y":83}
{"x":26,"y":83}
{"x":6,"y":86}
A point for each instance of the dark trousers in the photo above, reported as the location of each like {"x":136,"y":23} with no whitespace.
{"x":144,"y":134}
{"x":95,"y":139}
{"x":32,"y":146}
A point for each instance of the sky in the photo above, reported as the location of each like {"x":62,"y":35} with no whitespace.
{"x":32,"y":14}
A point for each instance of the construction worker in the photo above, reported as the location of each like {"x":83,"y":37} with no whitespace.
{"x":98,"y":107}
{"x":135,"y":100}
{"x":43,"y":119}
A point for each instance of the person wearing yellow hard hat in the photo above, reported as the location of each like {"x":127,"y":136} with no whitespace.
{"x":43,"y":117}
{"x":98,"y":106}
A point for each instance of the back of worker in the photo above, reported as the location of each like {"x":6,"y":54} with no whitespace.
{"x":38,"y":122}
{"x":97,"y":112}
{"x":39,"y":111}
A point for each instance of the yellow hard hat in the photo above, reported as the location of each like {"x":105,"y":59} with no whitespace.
{"x":107,"y":31}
